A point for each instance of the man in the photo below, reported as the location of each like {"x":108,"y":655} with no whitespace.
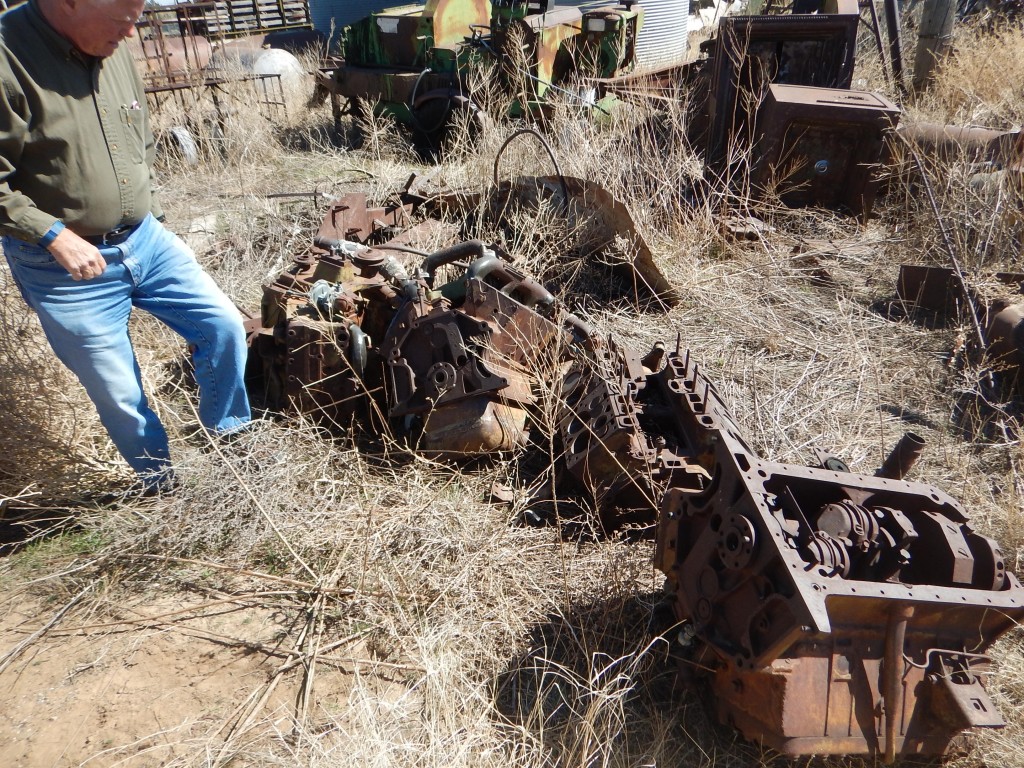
{"x":81,"y":224}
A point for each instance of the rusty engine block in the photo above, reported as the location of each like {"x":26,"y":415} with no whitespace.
{"x":832,"y":612}
{"x":835,"y":613}
{"x":456,"y":365}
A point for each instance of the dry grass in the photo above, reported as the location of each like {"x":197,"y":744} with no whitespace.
{"x":465,"y":638}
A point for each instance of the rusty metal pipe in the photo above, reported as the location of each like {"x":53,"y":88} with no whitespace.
{"x":526,"y":290}
{"x":453,"y":253}
{"x":581,"y":331}
{"x":976,"y":141}
{"x":902,"y":457}
{"x":892,"y":672}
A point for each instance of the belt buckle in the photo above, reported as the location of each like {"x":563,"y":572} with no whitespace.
{"x":107,"y":237}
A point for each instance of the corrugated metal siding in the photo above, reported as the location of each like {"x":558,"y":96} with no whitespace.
{"x":662,"y":40}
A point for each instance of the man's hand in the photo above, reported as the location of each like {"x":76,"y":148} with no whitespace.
{"x":81,"y":259}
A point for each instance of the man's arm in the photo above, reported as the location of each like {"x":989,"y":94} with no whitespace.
{"x":19,"y":215}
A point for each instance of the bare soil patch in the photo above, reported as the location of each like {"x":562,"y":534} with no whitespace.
{"x":161,"y":687}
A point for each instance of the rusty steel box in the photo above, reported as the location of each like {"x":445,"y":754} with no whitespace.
{"x":821,"y":146}
{"x":751,"y":52}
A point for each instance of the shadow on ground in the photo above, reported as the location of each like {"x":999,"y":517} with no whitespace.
{"x":602,"y":685}
{"x":598,"y":685}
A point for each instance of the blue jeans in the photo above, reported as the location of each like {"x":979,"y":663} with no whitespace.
{"x":86,"y":323}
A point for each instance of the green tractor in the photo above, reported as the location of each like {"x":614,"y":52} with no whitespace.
{"x":421,"y":64}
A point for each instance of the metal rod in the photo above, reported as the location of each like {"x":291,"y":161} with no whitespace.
{"x":892,"y":674}
{"x":892,"y":29}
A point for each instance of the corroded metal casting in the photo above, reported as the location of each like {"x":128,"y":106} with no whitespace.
{"x":840,"y":613}
{"x":1001,"y":316}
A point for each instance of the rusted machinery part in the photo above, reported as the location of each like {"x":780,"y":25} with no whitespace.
{"x":892,"y":675}
{"x":977,"y":143}
{"x":833,"y":611}
{"x":457,"y":365}
{"x":474,"y":248}
{"x":1006,"y":344}
{"x":833,"y":160}
{"x":788,"y":575}
{"x":606,"y":221}
{"x":902,"y":457}
{"x":614,"y":444}
{"x":936,"y":289}
{"x":807,"y":587}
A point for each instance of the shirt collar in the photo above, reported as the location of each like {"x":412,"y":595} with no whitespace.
{"x":53,"y":38}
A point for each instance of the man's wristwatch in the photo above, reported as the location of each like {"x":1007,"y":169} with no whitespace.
{"x":51,"y":234}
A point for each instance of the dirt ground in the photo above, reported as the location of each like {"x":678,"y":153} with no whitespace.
{"x":153,"y":692}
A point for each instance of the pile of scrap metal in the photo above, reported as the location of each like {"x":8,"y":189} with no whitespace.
{"x":832,"y":612}
{"x":996,"y":315}
{"x":365,"y":323}
{"x":780,"y":120}
{"x":416,"y":62}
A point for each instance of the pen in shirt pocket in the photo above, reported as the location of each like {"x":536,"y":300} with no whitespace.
{"x":129,"y":108}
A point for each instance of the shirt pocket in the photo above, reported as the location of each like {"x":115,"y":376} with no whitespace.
{"x":134,"y":136}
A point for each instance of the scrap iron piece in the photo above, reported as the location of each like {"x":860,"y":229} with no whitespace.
{"x":349,"y":218}
{"x":822,"y":146}
{"x":834,"y":612}
{"x":351,"y":331}
{"x":941,"y":290}
{"x":903,"y":456}
{"x":616,"y":441}
{"x":808,"y":587}
{"x":752,"y":52}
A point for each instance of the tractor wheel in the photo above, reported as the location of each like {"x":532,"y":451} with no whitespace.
{"x":444,"y":125}
{"x":356,"y":135}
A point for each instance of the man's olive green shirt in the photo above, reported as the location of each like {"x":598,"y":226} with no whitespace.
{"x":75,"y":143}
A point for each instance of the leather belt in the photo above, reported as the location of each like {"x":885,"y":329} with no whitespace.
{"x":113,"y":237}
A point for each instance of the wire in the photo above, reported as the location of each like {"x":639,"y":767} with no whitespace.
{"x":402,"y":249}
{"x":947,"y":242}
{"x":547,"y":147}
{"x":416,"y":87}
